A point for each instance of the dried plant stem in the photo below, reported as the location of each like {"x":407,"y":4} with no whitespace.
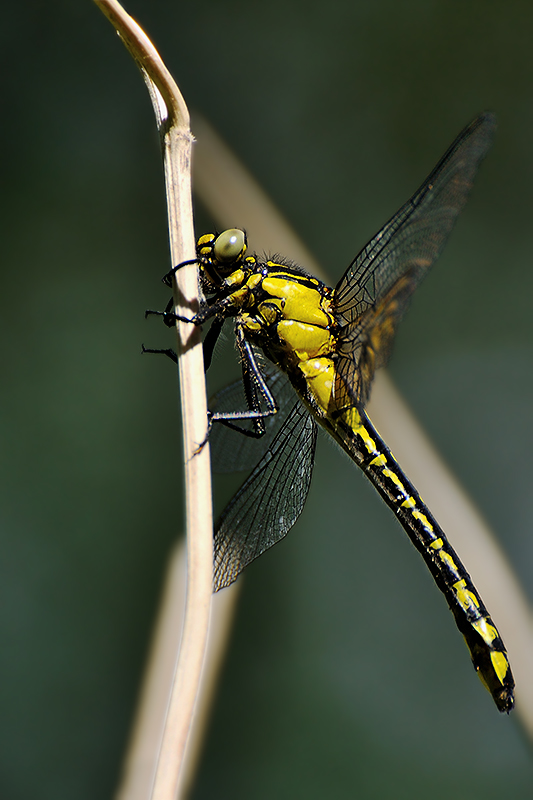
{"x":173,"y":124}
{"x":234,"y":198}
{"x":138,"y":769}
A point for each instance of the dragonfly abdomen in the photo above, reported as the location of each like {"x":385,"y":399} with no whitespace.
{"x":358,"y":437}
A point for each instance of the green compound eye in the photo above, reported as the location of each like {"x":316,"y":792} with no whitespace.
{"x":230,"y":245}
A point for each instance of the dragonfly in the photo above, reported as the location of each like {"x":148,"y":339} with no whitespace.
{"x":308,"y":354}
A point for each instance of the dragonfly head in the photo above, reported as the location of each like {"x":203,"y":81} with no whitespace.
{"x":220,"y":255}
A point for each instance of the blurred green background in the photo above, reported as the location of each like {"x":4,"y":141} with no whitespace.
{"x":345,"y":677}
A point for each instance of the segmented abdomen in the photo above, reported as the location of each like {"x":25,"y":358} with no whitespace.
{"x":358,"y":437}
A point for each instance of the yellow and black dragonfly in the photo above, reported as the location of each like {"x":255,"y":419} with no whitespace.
{"x":323,"y":346}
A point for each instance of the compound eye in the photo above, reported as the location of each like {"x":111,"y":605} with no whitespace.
{"x":230,"y":245}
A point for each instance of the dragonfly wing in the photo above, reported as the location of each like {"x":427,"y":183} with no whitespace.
{"x":372,"y":296}
{"x":365,"y":344}
{"x":270,"y":501}
{"x":231,"y":451}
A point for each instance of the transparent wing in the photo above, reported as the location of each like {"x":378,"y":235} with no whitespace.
{"x":365,"y":344}
{"x":372,"y":296}
{"x":413,"y":238}
{"x":270,"y":501}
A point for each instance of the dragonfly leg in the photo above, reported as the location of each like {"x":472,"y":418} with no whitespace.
{"x":210,"y":340}
{"x":169,"y":318}
{"x":256,"y":390}
{"x":167,"y":277}
{"x":163,"y":351}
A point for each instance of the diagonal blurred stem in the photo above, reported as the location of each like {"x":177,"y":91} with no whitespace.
{"x":176,"y":140}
